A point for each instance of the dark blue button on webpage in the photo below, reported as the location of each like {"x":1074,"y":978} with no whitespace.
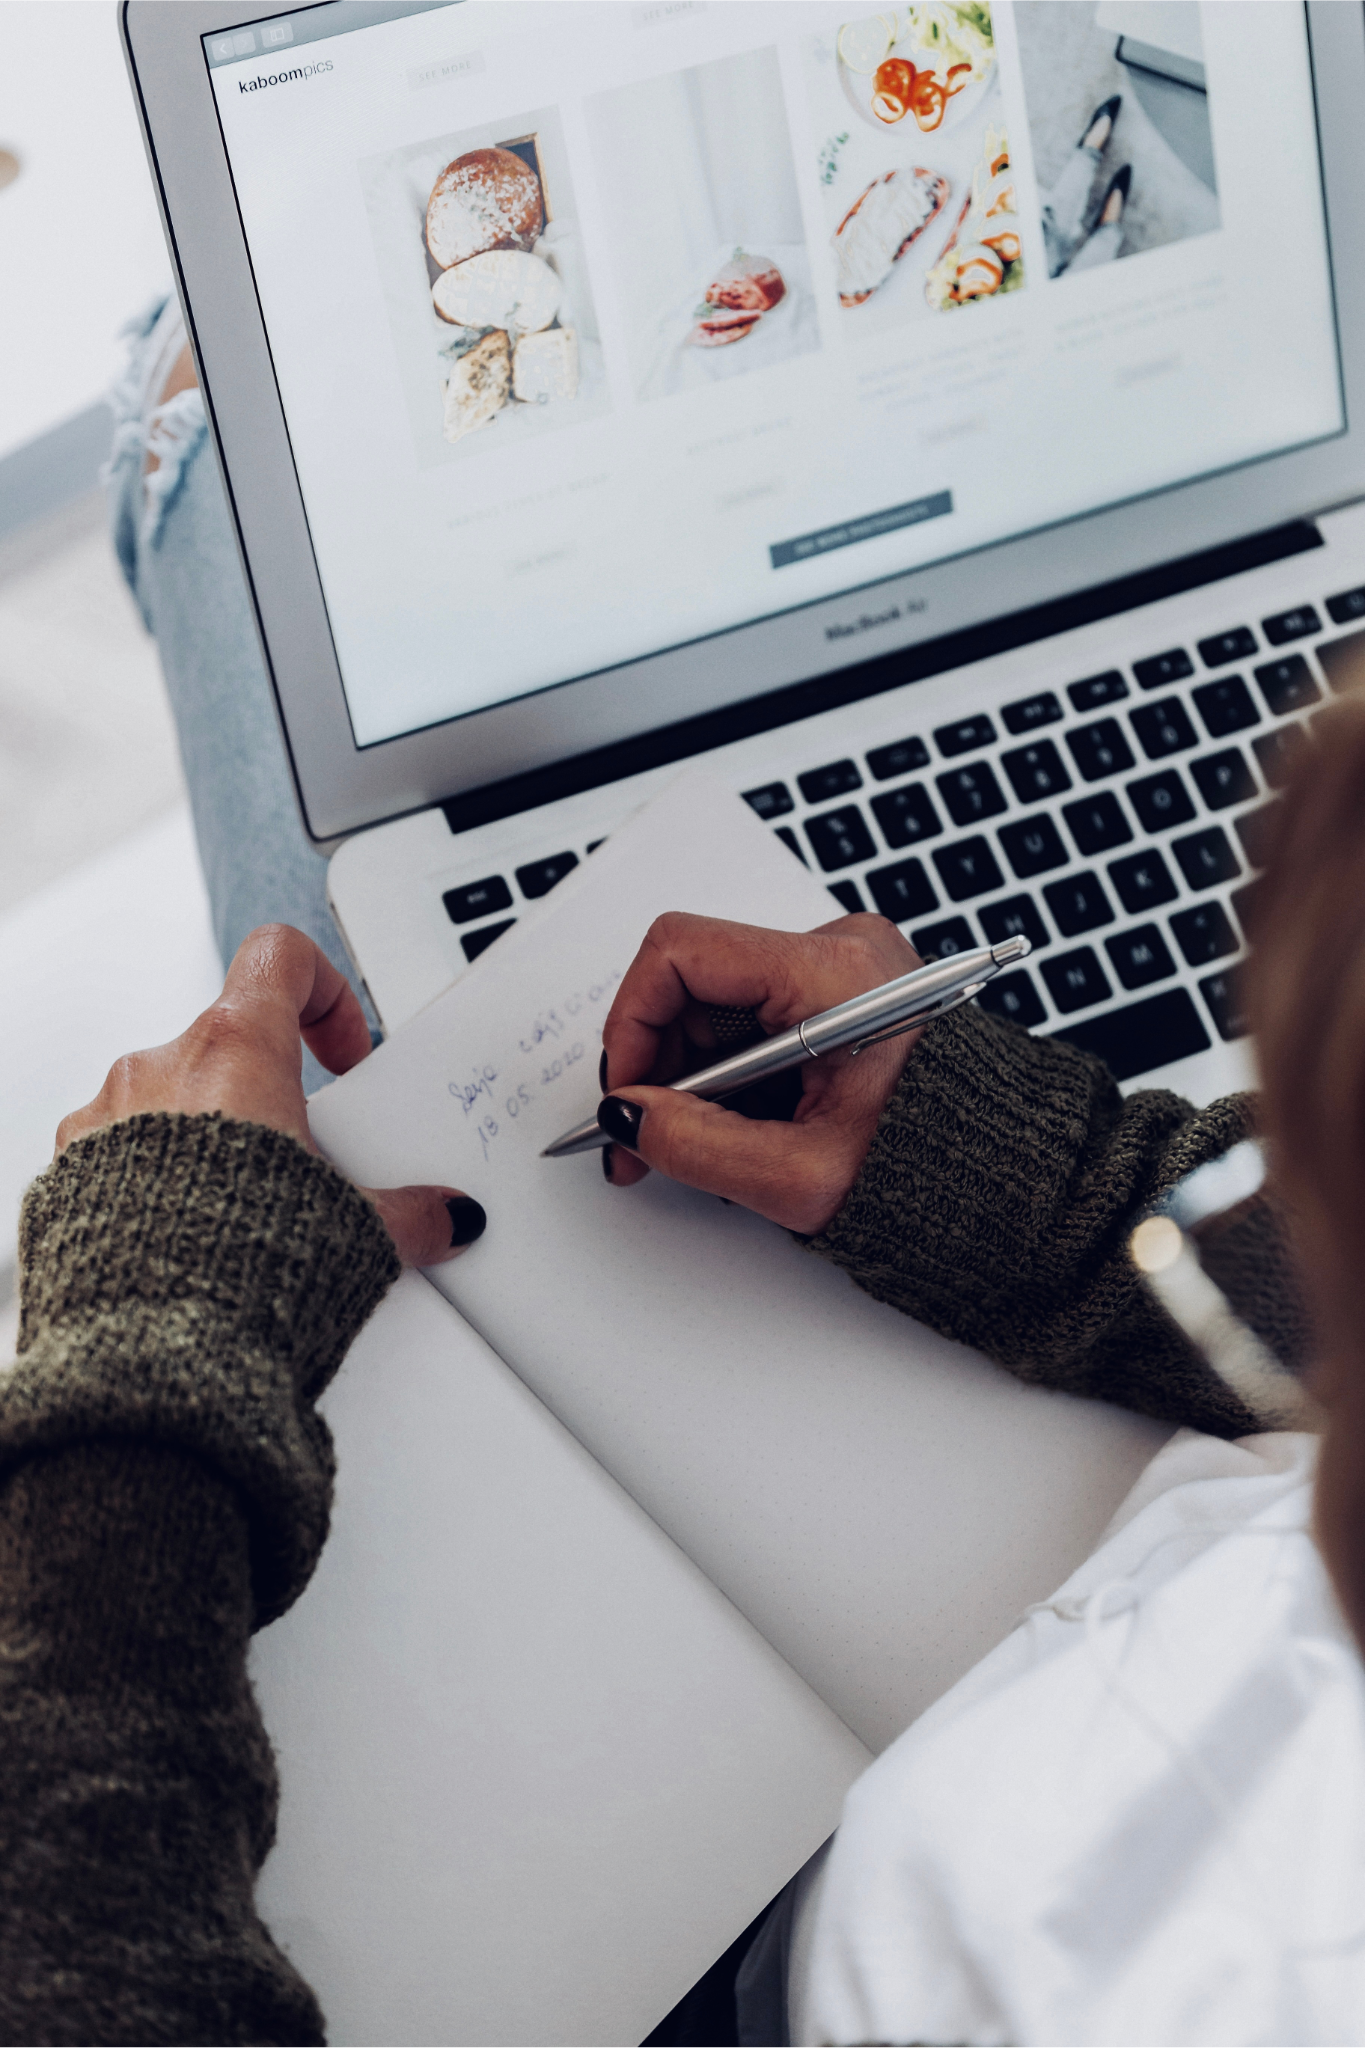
{"x":826,"y":539}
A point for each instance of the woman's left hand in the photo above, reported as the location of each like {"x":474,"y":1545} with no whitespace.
{"x":241,"y":1059}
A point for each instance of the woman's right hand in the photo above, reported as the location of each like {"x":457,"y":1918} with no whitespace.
{"x":797,"y":1173}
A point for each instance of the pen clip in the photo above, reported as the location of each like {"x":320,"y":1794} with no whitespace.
{"x":964,"y":995}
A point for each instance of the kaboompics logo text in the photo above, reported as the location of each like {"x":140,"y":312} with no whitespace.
{"x":282,"y":77}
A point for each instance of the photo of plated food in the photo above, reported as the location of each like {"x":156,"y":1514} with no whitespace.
{"x":487,"y":292}
{"x":904,"y":182}
{"x":984,"y":254}
{"x":930,"y":63}
{"x":698,"y":182}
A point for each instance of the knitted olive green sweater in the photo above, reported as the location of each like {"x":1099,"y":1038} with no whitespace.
{"x":190,"y":1286}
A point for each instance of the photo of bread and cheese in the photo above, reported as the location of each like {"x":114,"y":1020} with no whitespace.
{"x":487,"y":290}
{"x":913,"y":162}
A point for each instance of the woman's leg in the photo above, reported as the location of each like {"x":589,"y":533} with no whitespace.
{"x":1107,"y":240}
{"x":1067,"y":206}
{"x":173,"y":535}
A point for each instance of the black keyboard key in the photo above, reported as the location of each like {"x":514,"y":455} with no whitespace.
{"x":1295,"y":625}
{"x":1093,"y":691}
{"x":971,"y":794}
{"x":1225,"y":647}
{"x":840,"y":838}
{"x":1036,"y":772}
{"x":1161,"y":801}
{"x":906,"y":815}
{"x":901,"y":758}
{"x":1140,"y":957}
{"x":1206,"y":858}
{"x":902,"y":890}
{"x":1159,"y":669}
{"x":1342,"y":660}
{"x":477,"y":899}
{"x":1226,"y":706}
{"x":1163,"y":728}
{"x":836,"y":778}
{"x":1078,"y":904}
{"x":1143,"y":881}
{"x":474,"y":943}
{"x":968,"y":869}
{"x":1033,"y":846}
{"x":1100,"y":749}
{"x":1277,"y":752}
{"x":1014,"y":997}
{"x":1031,"y":712}
{"x":538,"y":877}
{"x":1346,"y":606}
{"x":941,"y":941}
{"x":1223,"y":994}
{"x":1204,"y":933}
{"x":1142,"y":1036}
{"x":1256,"y":830}
{"x":1287,"y":685}
{"x":1015,"y":917}
{"x":792,"y":843}
{"x":847,"y":894}
{"x":774,"y":800}
{"x":965,"y":736}
{"x":1097,"y":822}
{"x":1224,"y":778}
{"x":1075,"y":980}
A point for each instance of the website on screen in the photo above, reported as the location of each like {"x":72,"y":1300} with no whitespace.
{"x":600,"y":328}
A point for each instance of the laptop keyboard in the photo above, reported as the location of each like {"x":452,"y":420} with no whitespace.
{"x":1114,"y":821}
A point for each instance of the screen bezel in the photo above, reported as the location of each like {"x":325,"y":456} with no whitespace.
{"x":343,"y":788}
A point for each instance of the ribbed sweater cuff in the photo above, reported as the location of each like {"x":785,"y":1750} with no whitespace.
{"x":195,"y":1281}
{"x":994,"y":1195}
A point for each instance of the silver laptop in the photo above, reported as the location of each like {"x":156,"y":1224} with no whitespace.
{"x":945,"y":422}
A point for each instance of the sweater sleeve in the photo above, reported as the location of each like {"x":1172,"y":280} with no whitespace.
{"x":995,"y":1203}
{"x":189,"y":1287}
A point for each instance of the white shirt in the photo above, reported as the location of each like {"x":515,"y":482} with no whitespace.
{"x":1141,"y":1818}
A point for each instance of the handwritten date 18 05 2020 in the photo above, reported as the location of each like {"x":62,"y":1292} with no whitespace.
{"x":551,"y":1047}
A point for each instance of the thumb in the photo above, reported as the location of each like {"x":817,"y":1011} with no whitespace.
{"x":428,"y":1225}
{"x":787,"y":1172}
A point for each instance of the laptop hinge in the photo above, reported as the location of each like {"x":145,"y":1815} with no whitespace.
{"x":775,"y":708}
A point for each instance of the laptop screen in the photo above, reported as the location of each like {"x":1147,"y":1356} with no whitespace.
{"x":600,"y":329}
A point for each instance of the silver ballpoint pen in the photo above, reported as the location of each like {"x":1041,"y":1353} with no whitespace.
{"x":884,"y":1012}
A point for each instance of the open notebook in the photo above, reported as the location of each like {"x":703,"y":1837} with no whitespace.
{"x":648,"y":1534}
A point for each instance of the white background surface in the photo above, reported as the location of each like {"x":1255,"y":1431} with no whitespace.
{"x":81,"y":248}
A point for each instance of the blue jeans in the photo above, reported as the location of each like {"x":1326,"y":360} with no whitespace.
{"x":174,"y":538}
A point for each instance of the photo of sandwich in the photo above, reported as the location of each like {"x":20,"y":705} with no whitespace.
{"x":741,"y":292}
{"x":984,"y":254}
{"x":698,"y":183}
{"x":880,"y":226}
{"x":487,"y":290}
{"x":907,"y":102}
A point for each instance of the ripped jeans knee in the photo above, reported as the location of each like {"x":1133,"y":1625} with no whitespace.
{"x":154,"y":444}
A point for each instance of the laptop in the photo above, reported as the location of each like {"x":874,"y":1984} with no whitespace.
{"x":947,"y":422}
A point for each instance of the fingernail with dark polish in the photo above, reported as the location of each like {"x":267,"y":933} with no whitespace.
{"x":606,"y":1161}
{"x":467,"y":1219}
{"x":621,"y":1121}
{"x":602,"y":1071}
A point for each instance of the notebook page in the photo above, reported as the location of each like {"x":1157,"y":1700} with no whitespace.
{"x":880,"y":1503}
{"x":536,"y":1773}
